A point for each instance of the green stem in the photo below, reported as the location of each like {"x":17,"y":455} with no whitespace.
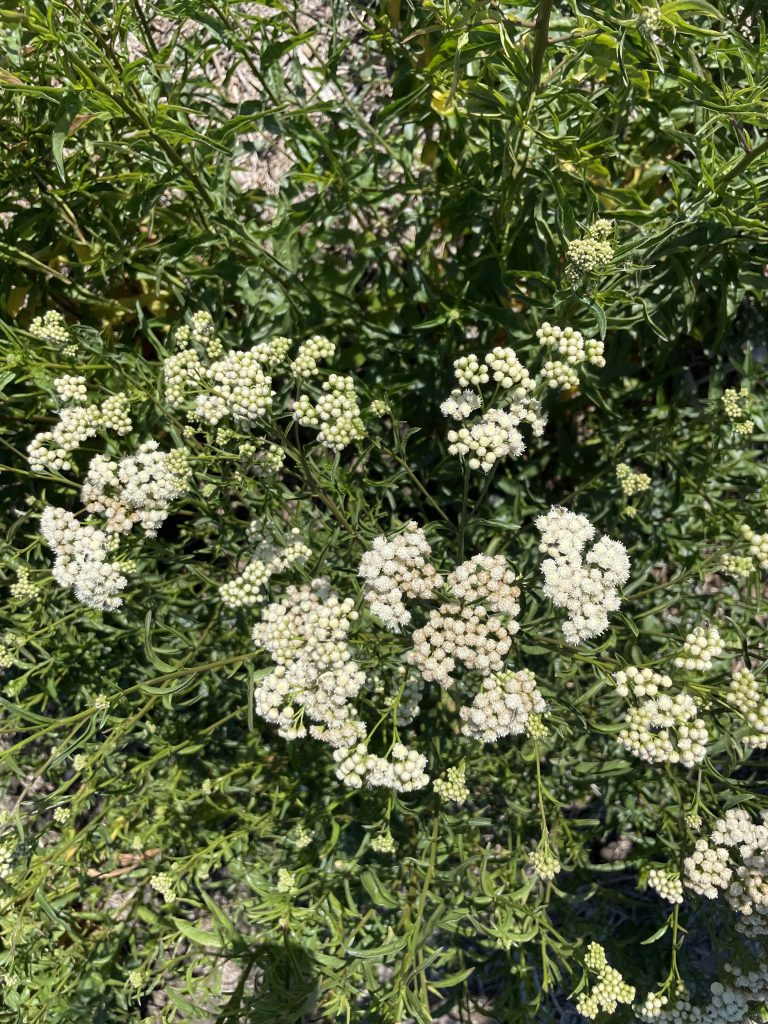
{"x":464,"y":510}
{"x":742,"y":165}
{"x":541,"y":38}
{"x":414,"y":480}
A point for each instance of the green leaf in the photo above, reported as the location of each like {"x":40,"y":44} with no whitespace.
{"x":197,"y":935}
{"x":657,"y":934}
{"x":67,"y":110}
{"x":387,"y":950}
{"x":376,"y":890}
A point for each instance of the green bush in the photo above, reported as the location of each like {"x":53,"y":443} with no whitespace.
{"x":348,"y":673}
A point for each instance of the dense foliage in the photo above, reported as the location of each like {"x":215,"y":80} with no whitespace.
{"x":276,"y":745}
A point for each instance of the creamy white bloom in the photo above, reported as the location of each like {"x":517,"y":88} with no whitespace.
{"x":51,"y":449}
{"x":608,"y":990}
{"x":137,"y":489}
{"x":734,"y":862}
{"x":585,"y":585}
{"x":395,"y":568}
{"x":246,"y":589}
{"x":758,"y":545}
{"x":470,"y":371}
{"x":702,"y":645}
{"x":640,"y":681}
{"x":666,"y":884}
{"x":666,"y":729}
{"x":502,"y":707}
{"x":309,"y":355}
{"x":469,"y":635}
{"x":51,"y":327}
{"x":71,"y":388}
{"x":486,"y":578}
{"x":82,"y":561}
{"x":460,"y":404}
{"x":571,"y":344}
{"x":750,"y":699}
{"x":315,"y":673}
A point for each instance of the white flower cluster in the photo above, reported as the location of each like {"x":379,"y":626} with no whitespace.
{"x":246,"y":589}
{"x":758,"y":545}
{"x":9,"y":645}
{"x":286,"y":882}
{"x":666,"y":884}
{"x":452,"y":786}
{"x":648,"y":20}
{"x":316,"y":676}
{"x":460,"y":404}
{"x":640,"y":681}
{"x":183,"y":372}
{"x":735,"y":862}
{"x":23,"y":589}
{"x":737,"y":566}
{"x":509,"y":373}
{"x":665,"y":729}
{"x":631,"y":482}
{"x":383,"y":843}
{"x":466,"y":634}
{"x":702,"y":645}
{"x":71,"y":388}
{"x":306,"y":634}
{"x":405,"y":771}
{"x":51,"y":327}
{"x":586,"y":586}
{"x":591,"y":254}
{"x":237,"y":385}
{"x":379,"y":408}
{"x":502,"y":707}
{"x":486,"y":578}
{"x":736,"y":405}
{"x":572,"y":345}
{"x":309,"y":355}
{"x":544,"y":862}
{"x":469,"y":371}
{"x":744,"y":694}
{"x":476,"y":629}
{"x":261,"y":456}
{"x":559,"y":375}
{"x":494,"y":434}
{"x":51,"y":449}
{"x":200,"y":330}
{"x":729,"y":1003}
{"x":395,"y":568}
{"x":300,"y":837}
{"x":492,"y":437}
{"x":115,"y":414}
{"x":6,"y":861}
{"x":82,"y":561}
{"x":239,"y":388}
{"x":336,"y":412}
{"x":610,"y":988}
{"x":137,"y":489}
{"x":165,"y":884}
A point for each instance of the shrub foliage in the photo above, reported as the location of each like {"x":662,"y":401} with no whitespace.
{"x":382,"y":466}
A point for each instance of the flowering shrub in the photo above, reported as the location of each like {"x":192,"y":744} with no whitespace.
{"x":383,"y":581}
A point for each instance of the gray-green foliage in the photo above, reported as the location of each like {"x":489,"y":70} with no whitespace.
{"x":436,"y":162}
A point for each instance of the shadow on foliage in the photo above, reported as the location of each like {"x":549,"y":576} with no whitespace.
{"x":277,"y":986}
